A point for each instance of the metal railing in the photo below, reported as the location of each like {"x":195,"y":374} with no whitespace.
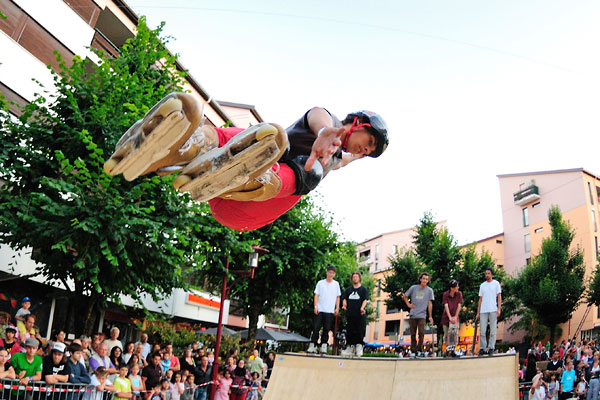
{"x":11,"y":389}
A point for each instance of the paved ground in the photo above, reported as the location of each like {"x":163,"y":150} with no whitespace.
{"x":299,"y":376}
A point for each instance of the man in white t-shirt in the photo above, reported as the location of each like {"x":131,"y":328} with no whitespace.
{"x":488,"y":310}
{"x":327,"y":306}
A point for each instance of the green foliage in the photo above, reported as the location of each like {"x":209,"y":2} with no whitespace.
{"x":108,"y":236}
{"x":381,"y":355}
{"x":163,"y":331}
{"x":228,"y":343}
{"x":436,"y":252}
{"x":553,"y":285}
{"x":529,"y":323}
{"x":592,"y":294}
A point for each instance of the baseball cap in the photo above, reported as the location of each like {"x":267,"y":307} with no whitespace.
{"x":58,"y":346}
{"x":26,"y":299}
{"x":10,"y":328}
{"x":31,"y":342}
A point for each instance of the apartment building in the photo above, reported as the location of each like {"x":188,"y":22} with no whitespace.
{"x":29,"y":35}
{"x":525,"y":200}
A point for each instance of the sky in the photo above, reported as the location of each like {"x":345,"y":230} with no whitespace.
{"x":469,"y":90}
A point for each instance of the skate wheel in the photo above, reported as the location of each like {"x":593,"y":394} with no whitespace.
{"x":181,"y":180}
{"x":170,"y":106}
{"x":110,"y":165}
{"x":264,"y":131}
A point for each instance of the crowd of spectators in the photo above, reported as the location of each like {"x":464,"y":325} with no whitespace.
{"x":568,"y":370}
{"x":130,"y":370}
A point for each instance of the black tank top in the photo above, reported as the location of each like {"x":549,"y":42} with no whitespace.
{"x":301,"y":137}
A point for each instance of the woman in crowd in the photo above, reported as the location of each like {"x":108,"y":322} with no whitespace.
{"x":128,"y":352}
{"x":241,"y":377}
{"x":231,"y":365}
{"x":270,"y":361}
{"x":187,"y":362}
{"x":115,"y":357}
{"x":139,"y":350}
{"x":6,"y":370}
{"x":594,"y":378}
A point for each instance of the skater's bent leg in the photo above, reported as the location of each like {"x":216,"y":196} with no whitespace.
{"x":421,"y":328}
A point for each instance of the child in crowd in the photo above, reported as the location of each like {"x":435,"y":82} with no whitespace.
{"x":22,"y":313}
{"x":254,"y":387}
{"x":223,"y":389}
{"x":176,"y":386}
{"x":122,"y":385}
{"x":581,"y":388}
{"x":169,"y":374}
{"x":100,"y":382}
{"x":156,"y":393}
{"x":165,"y":389}
{"x":538,"y":388}
{"x":188,"y":393}
{"x":137,"y":384}
{"x":553,"y":386}
{"x":6,"y":370}
{"x":165,"y":363}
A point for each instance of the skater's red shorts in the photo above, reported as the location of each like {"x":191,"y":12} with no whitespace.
{"x":250,"y":215}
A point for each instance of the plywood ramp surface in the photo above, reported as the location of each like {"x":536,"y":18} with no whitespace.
{"x":303,"y":377}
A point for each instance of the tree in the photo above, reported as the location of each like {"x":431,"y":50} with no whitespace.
{"x":552,"y":285}
{"x":301,"y":245}
{"x":99,"y":236}
{"x":435,"y":251}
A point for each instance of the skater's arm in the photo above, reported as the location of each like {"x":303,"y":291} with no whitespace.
{"x":347,"y":158}
{"x":499,"y":299}
{"x":409,"y":305}
{"x":328,"y":141}
{"x":344,"y":304}
{"x":337,"y":305}
{"x":316,"y":304}
{"x":362,"y":307}
{"x":430,"y":311}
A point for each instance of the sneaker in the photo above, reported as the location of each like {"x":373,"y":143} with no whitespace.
{"x":324,"y":348}
{"x":311,"y":348}
{"x":359,"y":350}
{"x":491,"y":352}
{"x":481,"y":352}
{"x":348,"y":351}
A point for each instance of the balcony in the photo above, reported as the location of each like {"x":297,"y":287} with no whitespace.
{"x":527,"y":195}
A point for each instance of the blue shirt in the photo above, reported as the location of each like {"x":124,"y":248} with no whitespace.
{"x":567,"y":380}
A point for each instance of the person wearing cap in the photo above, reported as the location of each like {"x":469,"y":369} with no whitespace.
{"x":10,"y":342}
{"x":55,"y":368}
{"x":538,"y":388}
{"x":354,"y":301}
{"x":421,"y":303}
{"x":452,"y":300}
{"x":327,"y":306}
{"x":22,"y":313}
{"x":28,"y":365}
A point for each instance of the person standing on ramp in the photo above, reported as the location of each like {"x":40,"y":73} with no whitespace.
{"x":354,"y":301}
{"x":327,"y":306}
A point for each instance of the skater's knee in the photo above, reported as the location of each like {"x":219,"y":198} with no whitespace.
{"x":305,"y":180}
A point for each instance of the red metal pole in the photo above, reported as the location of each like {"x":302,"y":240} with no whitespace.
{"x":215,"y":366}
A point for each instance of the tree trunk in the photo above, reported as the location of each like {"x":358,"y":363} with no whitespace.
{"x":88,"y":315}
{"x":552,"y":329}
{"x":252,"y":329}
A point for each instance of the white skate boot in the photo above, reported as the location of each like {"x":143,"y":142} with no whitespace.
{"x":359,"y":350}
{"x":324,"y":348}
{"x":311,"y":348}
{"x":348,"y":351}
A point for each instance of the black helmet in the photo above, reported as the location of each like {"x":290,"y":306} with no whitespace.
{"x":378,"y":129}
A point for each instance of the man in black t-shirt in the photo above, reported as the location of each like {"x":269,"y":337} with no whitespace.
{"x":354,"y":301}
{"x":55,"y":369}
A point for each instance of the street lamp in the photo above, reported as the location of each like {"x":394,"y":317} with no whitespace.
{"x":225,"y":291}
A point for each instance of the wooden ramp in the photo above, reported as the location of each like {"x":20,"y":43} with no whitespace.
{"x":308,"y":377}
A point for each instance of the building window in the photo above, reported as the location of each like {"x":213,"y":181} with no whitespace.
{"x":376,"y":252}
{"x":528,"y":261}
{"x":376,"y":266}
{"x":500,"y":266}
{"x":525,"y":216}
{"x":538,"y":230}
{"x":594,"y":221}
{"x":392,"y":311}
{"x":392,"y":328}
{"x":406,"y":330}
{"x":596,"y":243}
{"x":377,"y":309}
{"x":379,"y":288}
{"x":527,"y":243}
{"x":395,"y":247}
{"x":590,"y":191}
{"x":534,"y":205}
{"x":364,"y":255}
{"x":498,"y":241}
{"x":598,"y":193}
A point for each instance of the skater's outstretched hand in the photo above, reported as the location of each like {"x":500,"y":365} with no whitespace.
{"x":324,"y":147}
